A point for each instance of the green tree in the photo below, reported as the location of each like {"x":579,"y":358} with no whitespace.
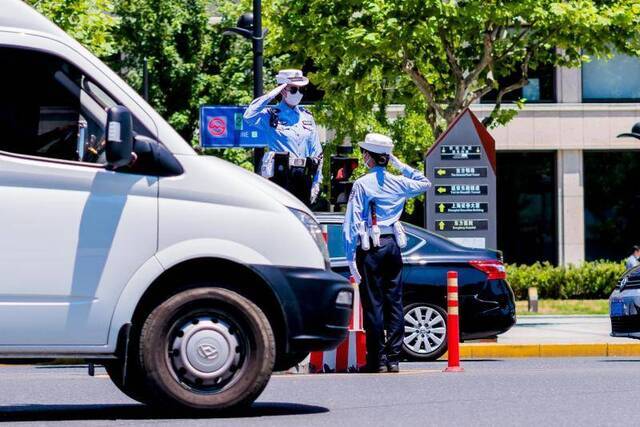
{"x":91,"y":22}
{"x":437,"y":57}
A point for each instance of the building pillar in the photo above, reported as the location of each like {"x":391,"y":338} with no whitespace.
{"x":570,"y":207}
{"x":568,"y":85}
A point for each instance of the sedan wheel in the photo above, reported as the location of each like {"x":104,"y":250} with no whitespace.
{"x":425,"y":331}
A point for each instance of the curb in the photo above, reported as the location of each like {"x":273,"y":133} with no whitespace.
{"x":491,"y":351}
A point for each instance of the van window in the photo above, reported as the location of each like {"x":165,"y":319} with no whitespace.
{"x":48,"y":108}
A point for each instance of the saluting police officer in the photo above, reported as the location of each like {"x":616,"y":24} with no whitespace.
{"x":289,"y":130}
{"x":374,"y":237}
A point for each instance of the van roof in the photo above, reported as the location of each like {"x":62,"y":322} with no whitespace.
{"x":19,"y":15}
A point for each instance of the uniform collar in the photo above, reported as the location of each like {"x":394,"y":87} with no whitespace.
{"x":286,"y":110}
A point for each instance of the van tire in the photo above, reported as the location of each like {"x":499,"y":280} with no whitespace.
{"x":206,"y":348}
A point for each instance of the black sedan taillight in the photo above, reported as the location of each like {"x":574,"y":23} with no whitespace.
{"x":494,"y":269}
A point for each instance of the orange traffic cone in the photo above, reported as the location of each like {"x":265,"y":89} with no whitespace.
{"x":351,"y":354}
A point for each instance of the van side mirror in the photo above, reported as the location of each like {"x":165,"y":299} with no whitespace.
{"x":119,"y":138}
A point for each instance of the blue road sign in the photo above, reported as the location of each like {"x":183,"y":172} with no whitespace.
{"x":222,"y":126}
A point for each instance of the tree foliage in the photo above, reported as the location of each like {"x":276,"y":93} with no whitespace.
{"x":89,"y":21}
{"x":437,"y":57}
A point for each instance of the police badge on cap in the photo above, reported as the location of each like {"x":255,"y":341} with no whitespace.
{"x":292,"y":77}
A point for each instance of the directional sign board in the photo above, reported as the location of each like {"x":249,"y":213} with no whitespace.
{"x":462,"y":207}
{"x":461,"y":172}
{"x":222,"y":126}
{"x":461,"y":204}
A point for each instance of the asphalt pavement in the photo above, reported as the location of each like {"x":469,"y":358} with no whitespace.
{"x":587,"y":391}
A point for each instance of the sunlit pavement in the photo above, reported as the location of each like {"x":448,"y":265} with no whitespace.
{"x":587,"y":391}
{"x":561,"y":329}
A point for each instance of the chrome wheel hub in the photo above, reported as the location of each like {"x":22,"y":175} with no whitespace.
{"x":424,"y":330}
{"x":205,"y":352}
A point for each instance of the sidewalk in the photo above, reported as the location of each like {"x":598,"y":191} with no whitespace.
{"x":555,"y":336}
{"x":561,"y":329}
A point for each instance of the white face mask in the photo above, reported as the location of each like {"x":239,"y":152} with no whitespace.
{"x":293,"y":99}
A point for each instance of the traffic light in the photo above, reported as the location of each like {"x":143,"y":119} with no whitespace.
{"x":342,"y":167}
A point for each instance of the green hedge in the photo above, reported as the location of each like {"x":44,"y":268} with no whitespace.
{"x":589,"y":280}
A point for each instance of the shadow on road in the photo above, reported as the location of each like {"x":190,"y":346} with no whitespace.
{"x":140,"y":412}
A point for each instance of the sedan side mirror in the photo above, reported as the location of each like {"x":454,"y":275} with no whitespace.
{"x":119,"y":138}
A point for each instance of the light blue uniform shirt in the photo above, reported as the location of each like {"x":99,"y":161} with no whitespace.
{"x":295,"y":132}
{"x":388,"y":192}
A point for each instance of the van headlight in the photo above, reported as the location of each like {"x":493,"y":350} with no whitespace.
{"x":315,"y":230}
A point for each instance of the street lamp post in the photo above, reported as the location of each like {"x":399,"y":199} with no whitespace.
{"x":250,"y":27}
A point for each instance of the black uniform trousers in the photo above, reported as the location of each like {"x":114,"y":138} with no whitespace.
{"x":381,"y":295}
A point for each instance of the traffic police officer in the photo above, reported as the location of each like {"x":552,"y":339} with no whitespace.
{"x":290,"y":130}
{"x":373,"y":240}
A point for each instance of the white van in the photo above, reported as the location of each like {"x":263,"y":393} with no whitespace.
{"x":189,"y":278}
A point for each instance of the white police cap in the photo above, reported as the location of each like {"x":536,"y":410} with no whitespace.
{"x":291,"y":77}
{"x":377,"y":143}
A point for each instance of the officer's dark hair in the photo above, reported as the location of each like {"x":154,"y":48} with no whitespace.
{"x":636,"y":248}
{"x":378,"y":159}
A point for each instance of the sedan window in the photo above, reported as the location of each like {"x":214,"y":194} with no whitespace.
{"x":336,"y":241}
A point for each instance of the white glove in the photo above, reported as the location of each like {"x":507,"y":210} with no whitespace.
{"x":315,"y":190}
{"x":266,"y":168}
{"x":395,"y":162}
{"x":353,"y":268}
{"x":401,"y":237}
{"x":276,"y":91}
{"x":375,"y":235}
{"x":364,"y":236}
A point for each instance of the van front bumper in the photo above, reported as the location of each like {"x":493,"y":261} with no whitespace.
{"x":315,"y":319}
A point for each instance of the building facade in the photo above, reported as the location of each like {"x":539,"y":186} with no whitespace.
{"x":566,"y":183}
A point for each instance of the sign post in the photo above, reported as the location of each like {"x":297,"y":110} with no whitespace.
{"x":461,"y":204}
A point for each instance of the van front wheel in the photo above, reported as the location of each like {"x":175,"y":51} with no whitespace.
{"x":206,"y":348}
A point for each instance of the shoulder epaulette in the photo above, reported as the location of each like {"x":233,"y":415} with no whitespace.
{"x":305,"y":110}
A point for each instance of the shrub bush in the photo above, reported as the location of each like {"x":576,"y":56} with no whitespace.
{"x":589,"y":280}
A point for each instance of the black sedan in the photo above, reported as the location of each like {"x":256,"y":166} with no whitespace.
{"x":487,"y":303}
{"x":624,"y":305}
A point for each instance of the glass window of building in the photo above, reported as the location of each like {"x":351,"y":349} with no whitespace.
{"x":617,"y":79}
{"x":527,"y":230}
{"x":611,"y":204}
{"x":541,"y":87}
